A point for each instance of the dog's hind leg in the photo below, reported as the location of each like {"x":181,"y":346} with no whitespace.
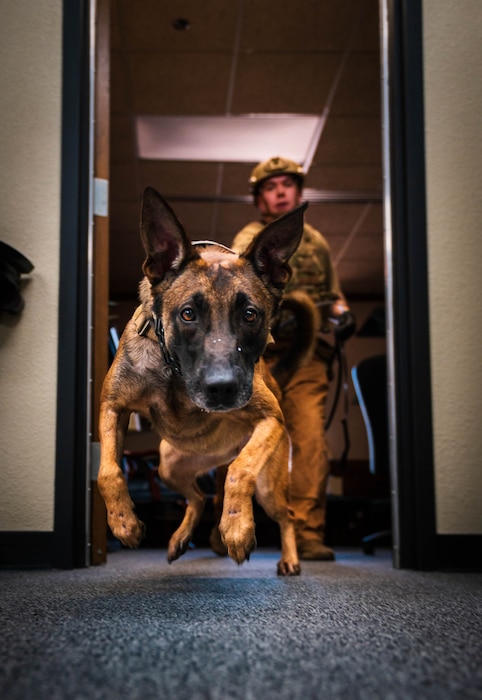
{"x":215,"y":539}
{"x":289,"y":564}
{"x":272,"y":488}
{"x":179,"y":470}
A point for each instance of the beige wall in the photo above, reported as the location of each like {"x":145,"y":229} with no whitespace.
{"x":30,"y":138}
{"x":453,"y":109}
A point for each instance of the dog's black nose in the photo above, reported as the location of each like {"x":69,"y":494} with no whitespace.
{"x":221,"y":388}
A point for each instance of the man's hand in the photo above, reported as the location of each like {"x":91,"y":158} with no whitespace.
{"x":345,"y":325}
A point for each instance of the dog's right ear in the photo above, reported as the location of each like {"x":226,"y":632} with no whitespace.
{"x":165,"y":242}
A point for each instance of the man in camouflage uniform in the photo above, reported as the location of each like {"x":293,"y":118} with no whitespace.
{"x":277,"y":188}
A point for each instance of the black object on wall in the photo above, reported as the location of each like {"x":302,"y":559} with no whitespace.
{"x":13,"y":265}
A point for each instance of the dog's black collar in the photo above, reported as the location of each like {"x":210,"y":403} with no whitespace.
{"x":151,"y":327}
{"x":168,"y":358}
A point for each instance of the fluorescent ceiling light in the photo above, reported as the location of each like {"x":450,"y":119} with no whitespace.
{"x":240,"y":139}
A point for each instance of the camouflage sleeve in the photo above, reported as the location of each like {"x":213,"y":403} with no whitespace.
{"x":324,"y":252}
{"x":339,"y":301}
{"x":335,"y":285}
{"x":244,"y":237}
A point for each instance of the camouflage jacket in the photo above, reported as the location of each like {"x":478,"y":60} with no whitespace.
{"x":313,"y":271}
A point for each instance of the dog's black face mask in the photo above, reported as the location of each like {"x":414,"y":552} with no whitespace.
{"x":214,"y":307}
{"x":217,"y":333}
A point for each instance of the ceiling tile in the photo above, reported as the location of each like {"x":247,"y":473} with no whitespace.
{"x":283,"y":83}
{"x":115,"y":32}
{"x":358,"y":93}
{"x":367,"y":29}
{"x":304,"y":25}
{"x":350,"y":141}
{"x":148,"y":25}
{"x":179,"y":178}
{"x":179,"y":83}
{"x":342,"y":177}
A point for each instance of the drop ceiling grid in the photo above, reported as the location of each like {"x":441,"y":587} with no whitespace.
{"x":289,"y":55}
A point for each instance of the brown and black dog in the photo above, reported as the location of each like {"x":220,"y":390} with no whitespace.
{"x":200,"y":381}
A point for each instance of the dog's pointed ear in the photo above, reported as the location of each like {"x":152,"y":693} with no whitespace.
{"x":165,"y":242}
{"x":271,"y":249}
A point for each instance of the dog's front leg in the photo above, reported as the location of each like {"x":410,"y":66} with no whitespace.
{"x":112,"y":484}
{"x":237,"y":523}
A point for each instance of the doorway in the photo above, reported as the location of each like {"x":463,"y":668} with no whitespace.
{"x":346,"y":198}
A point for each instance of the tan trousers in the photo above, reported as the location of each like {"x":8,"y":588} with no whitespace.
{"x":303,"y":405}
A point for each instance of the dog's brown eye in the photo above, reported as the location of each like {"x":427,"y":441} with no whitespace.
{"x":250,"y":315}
{"x":188,"y":314}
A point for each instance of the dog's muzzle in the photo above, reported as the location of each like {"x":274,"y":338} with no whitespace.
{"x":222,"y":389}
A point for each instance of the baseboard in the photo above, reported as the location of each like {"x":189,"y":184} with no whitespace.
{"x":26,"y":550}
{"x":459,"y":552}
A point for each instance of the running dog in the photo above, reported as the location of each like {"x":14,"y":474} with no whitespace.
{"x":190,"y":361}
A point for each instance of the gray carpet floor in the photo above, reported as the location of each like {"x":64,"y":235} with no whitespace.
{"x":204,"y":629}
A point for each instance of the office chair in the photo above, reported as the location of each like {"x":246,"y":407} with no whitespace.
{"x":370,"y":382}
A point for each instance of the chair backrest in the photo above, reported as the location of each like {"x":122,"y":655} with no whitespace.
{"x":370,"y":382}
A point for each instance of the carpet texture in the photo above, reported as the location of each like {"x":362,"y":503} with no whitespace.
{"x":205,"y":629}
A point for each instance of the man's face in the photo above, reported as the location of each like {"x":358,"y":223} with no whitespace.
{"x":278,"y":195}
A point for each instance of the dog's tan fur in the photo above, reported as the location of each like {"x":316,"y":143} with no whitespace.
{"x":207,"y":393}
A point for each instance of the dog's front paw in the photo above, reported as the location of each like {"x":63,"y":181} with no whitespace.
{"x":127,"y":528}
{"x":238,"y":536}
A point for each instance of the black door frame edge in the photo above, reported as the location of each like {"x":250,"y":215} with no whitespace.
{"x":70,"y":525}
{"x":412,"y":375}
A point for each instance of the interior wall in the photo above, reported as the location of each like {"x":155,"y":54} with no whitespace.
{"x":30,"y":141}
{"x":453,"y":104}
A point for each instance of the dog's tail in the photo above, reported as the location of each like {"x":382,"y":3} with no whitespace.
{"x":294,"y":345}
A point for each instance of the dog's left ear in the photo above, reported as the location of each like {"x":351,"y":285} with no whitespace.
{"x":165,"y":242}
{"x":271,"y":249}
